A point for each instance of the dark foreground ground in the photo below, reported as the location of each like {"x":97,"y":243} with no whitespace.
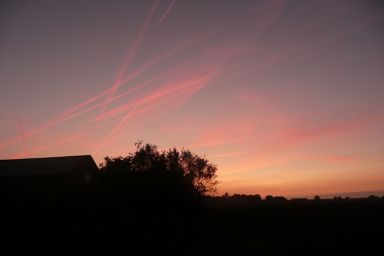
{"x":214,"y":226}
{"x":305,"y":227}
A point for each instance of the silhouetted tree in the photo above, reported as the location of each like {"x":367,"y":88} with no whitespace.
{"x":167,"y":169}
{"x":279,"y":199}
{"x":317,"y":198}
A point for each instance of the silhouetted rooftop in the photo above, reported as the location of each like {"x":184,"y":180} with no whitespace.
{"x":46,"y":166}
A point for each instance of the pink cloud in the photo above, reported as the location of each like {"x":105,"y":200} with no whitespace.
{"x":342,"y":159}
{"x":299,"y":135}
{"x":329,"y":158}
{"x":232,"y":154}
{"x":224,"y":133}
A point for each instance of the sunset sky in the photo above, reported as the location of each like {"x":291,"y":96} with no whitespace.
{"x":286,"y":97}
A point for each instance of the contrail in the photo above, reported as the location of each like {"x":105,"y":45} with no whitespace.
{"x":157,"y":94}
{"x":34,"y":150}
{"x":62,"y":141}
{"x":112,"y":90}
{"x":74,"y":111}
{"x":164,"y":91}
{"x":53,"y":121}
{"x":152,"y":98}
{"x":122,"y":121}
{"x":79,"y":106}
{"x":134,"y":74}
{"x":127,"y":92}
{"x":130,"y":55}
{"x":167,"y":11}
{"x":70,"y":113}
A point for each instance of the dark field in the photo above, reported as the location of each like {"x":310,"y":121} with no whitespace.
{"x":297,"y":227}
{"x":214,"y":226}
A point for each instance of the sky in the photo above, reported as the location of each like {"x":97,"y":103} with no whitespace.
{"x":285,"y":97}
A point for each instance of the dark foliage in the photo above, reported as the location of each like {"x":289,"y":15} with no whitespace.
{"x":148,"y":170}
{"x":144,"y":201}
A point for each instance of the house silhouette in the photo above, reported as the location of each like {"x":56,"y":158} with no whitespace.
{"x":46,"y":174}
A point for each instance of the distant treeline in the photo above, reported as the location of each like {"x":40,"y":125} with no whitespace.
{"x":257,"y":197}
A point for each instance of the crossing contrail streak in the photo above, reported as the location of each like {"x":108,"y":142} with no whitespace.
{"x":60,"y":142}
{"x":112,"y":90}
{"x":52,"y":122}
{"x":34,"y":150}
{"x":150,"y":101}
{"x":167,"y":11}
{"x":78,"y":109}
{"x":127,"y":92}
{"x":131,"y":55}
{"x":80,"y":105}
{"x":159,"y":93}
{"x":71,"y":113}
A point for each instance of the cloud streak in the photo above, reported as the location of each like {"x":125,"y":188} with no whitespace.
{"x":142,"y":105}
{"x":130,"y":55}
{"x":166,"y":12}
